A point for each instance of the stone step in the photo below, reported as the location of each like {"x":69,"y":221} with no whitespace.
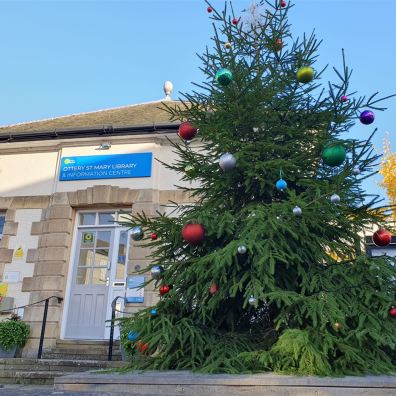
{"x":29,"y":377}
{"x":84,"y":351}
{"x":43,"y":371}
{"x":80,"y":356}
{"x":189,"y":384}
{"x":85,"y":346}
{"x":56,"y":365}
{"x":86,"y":342}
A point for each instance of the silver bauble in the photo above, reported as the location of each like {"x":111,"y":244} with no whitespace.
{"x":137,"y":233}
{"x":255,"y":129}
{"x":157,"y":271}
{"x":297,"y":211}
{"x":227,"y":162}
{"x":356,"y":170}
{"x":252,"y":300}
{"x":242,"y":249}
{"x":335,"y":199}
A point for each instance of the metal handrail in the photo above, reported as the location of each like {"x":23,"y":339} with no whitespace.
{"x":44,"y":321}
{"x":111,"y":340}
{"x":60,"y":299}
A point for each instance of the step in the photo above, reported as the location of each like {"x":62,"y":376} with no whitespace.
{"x":86,"y":342}
{"x":83,"y":350}
{"x":188,"y":384}
{"x":78,"y":347}
{"x":80,"y":356}
{"x":29,"y":377}
{"x":56,"y":365}
{"x":43,"y":371}
{"x":73,"y":351}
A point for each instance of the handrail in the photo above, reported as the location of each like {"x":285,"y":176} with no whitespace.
{"x":60,"y":299}
{"x":44,"y":321}
{"x":113,"y":311}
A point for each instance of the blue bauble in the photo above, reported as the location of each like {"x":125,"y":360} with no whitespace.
{"x":133,"y":336}
{"x":281,"y":185}
{"x":154,"y":312}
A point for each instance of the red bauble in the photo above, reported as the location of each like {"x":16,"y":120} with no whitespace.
{"x":235,"y":21}
{"x":213,"y":289}
{"x":392,"y":312}
{"x":164,"y":289}
{"x":187,"y":131}
{"x":210,"y":9}
{"x":193,"y":233}
{"x":153,"y":236}
{"x":279,"y":44}
{"x":382,"y":237}
{"x":141,"y":347}
{"x":283,"y":4}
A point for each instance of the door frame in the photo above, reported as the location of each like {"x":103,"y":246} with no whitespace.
{"x":70,"y":270}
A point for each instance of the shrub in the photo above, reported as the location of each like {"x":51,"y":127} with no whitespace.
{"x":13,"y":332}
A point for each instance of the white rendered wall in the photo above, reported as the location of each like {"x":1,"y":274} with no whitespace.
{"x":33,"y":174}
{"x":27,"y":174}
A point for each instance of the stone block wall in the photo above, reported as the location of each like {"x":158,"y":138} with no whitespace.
{"x":49,"y":257}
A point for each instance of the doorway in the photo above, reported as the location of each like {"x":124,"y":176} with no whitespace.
{"x":97,"y":276}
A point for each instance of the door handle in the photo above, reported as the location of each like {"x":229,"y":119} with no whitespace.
{"x":108,"y":265}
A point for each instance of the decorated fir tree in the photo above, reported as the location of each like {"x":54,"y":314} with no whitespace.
{"x":265,"y":269}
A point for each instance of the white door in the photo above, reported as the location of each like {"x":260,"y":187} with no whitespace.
{"x":98,"y":275}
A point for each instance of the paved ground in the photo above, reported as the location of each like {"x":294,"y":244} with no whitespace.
{"x":31,"y":390}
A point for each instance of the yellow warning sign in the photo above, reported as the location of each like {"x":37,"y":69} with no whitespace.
{"x":3,"y":289}
{"x":19,"y":253}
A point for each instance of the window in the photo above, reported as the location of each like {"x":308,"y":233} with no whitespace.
{"x":97,"y":219}
{"x":122,"y":255}
{"x":2,"y":221}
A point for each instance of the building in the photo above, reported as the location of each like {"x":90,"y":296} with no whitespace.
{"x":63,"y":184}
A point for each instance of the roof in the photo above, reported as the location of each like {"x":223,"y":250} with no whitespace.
{"x":133,"y":115}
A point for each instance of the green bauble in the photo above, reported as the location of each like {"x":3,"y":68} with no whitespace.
{"x":224,"y":77}
{"x":305,"y":74}
{"x":189,"y":170}
{"x":334,"y":155}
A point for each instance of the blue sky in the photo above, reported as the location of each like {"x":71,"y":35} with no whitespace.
{"x":63,"y":57}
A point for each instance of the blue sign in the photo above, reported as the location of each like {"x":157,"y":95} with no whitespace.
{"x":113,"y":166}
{"x":135,"y":289}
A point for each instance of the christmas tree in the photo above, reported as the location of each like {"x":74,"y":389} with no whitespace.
{"x":265,"y":269}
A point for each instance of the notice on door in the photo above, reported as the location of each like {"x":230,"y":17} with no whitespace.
{"x":88,"y":237}
{"x":113,"y":166}
{"x":135,"y":290}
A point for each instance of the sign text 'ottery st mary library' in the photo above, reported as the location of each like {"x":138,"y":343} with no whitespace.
{"x":113,"y":166}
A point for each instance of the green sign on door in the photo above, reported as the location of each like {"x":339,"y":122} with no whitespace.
{"x":88,"y":237}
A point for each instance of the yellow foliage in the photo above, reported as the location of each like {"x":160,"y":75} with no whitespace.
{"x":388,"y":171}
{"x":338,"y":257}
